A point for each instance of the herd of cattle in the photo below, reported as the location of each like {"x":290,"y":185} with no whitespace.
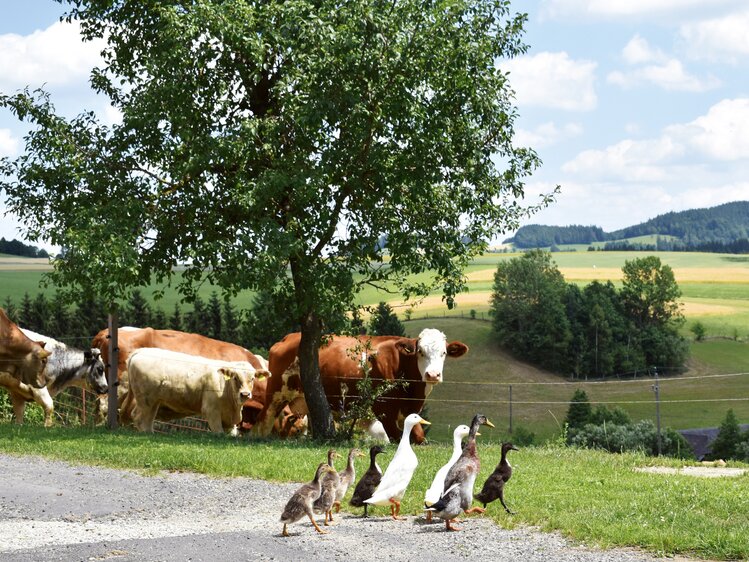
{"x":167,"y":374}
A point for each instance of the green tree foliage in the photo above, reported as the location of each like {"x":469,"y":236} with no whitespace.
{"x":529,"y":315}
{"x":385,"y":322}
{"x":136,"y":312}
{"x":18,"y":248}
{"x":595,"y":331}
{"x":266,"y":322}
{"x":641,"y":437}
{"x":214,"y":317}
{"x":728,"y":440}
{"x":175,"y":320}
{"x":579,"y":412}
{"x":274,"y":146}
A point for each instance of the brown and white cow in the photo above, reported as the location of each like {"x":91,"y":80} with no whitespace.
{"x":20,"y":357}
{"x":129,"y":339}
{"x":188,"y":385}
{"x":418,"y":361}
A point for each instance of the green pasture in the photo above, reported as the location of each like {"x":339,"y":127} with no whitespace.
{"x":594,"y":498}
{"x":480,"y":381}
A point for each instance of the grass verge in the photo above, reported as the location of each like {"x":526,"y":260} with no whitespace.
{"x":592,"y":497}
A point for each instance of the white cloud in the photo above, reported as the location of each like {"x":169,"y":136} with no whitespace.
{"x":722,"y":134}
{"x":684,"y":151}
{"x":54,"y":56}
{"x":718,"y":38}
{"x":670,"y":76}
{"x":665,"y":72}
{"x":8,"y":144}
{"x":610,"y":9}
{"x":547,"y":134}
{"x":639,"y":51}
{"x":553,"y":80}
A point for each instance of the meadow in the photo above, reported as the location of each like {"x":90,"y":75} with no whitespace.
{"x":594,"y":498}
{"x":715,"y":292}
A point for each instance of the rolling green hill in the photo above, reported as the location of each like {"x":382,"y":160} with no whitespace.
{"x":721,"y":225}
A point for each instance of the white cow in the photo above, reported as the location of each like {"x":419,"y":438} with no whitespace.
{"x":188,"y":385}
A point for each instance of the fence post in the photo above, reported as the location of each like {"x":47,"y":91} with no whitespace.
{"x":657,"y":388}
{"x":510,"y":409}
{"x":114,"y":359}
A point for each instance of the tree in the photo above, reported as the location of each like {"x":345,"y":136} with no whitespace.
{"x":214,"y":320}
{"x":650,"y":292}
{"x":529,"y":313}
{"x":175,"y":321}
{"x":137,"y":311}
{"x":726,"y":443}
{"x":266,"y":322}
{"x":579,"y":412}
{"x":384,"y":322}
{"x":272,"y":146}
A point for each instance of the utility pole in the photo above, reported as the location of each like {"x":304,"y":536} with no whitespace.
{"x":656,"y":387}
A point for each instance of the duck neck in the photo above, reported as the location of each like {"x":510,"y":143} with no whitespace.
{"x":406,"y":437}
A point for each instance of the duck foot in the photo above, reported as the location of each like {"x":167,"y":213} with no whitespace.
{"x":450,"y":527}
{"x":475,"y":510}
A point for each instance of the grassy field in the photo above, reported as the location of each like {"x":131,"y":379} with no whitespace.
{"x":595,"y":498}
{"x":481,"y":381}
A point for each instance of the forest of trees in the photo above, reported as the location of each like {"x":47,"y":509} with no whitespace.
{"x":256,"y":328}
{"x":594,"y":331}
{"x":724,"y":228}
{"x":17,"y":248}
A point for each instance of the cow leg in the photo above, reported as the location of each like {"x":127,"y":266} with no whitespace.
{"x":43,"y":398}
{"x":214,"y":421}
{"x":144,"y":416}
{"x":19,"y":406}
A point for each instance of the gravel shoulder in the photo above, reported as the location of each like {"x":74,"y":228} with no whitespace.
{"x":51,"y":510}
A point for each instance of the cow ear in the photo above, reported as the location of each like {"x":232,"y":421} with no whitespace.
{"x":405,"y":346}
{"x":456,"y":349}
{"x":226,"y":372}
{"x":259,"y":376}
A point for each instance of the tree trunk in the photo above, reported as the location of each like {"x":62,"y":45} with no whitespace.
{"x":320,"y":417}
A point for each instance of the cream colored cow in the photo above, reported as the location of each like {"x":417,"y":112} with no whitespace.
{"x":187,"y":385}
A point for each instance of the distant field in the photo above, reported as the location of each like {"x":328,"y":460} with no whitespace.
{"x":480,"y":381}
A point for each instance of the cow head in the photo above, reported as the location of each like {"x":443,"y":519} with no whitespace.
{"x":35,"y":366}
{"x":96,"y":375}
{"x":241,"y":380}
{"x":431,"y":348}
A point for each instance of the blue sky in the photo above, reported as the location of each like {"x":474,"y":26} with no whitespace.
{"x":636,"y":107}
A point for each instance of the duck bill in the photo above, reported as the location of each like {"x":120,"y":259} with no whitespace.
{"x":422,"y":421}
{"x":490,"y":424}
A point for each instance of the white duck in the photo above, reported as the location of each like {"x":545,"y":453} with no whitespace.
{"x":434,"y":492}
{"x":399,"y":472}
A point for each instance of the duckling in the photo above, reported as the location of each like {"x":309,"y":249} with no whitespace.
{"x":434,"y":492}
{"x":369,"y":480}
{"x":328,"y":485}
{"x":301,"y":501}
{"x":458,"y":494}
{"x":346,"y":478}
{"x":494,"y":486}
{"x":398,"y":474}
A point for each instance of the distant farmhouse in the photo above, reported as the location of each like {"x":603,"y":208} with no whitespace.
{"x":702,"y":439}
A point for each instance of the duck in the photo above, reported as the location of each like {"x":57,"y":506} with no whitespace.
{"x":346,"y":478}
{"x":328,"y":485}
{"x":369,"y":480}
{"x":301,"y":502}
{"x":494,"y":486}
{"x":434,"y":492}
{"x":458,"y":494}
{"x":399,"y":472}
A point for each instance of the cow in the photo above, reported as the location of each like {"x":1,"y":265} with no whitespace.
{"x":418,"y":361}
{"x":20,"y":357}
{"x":66,"y":367}
{"x":129,"y":339}
{"x":188,"y":385}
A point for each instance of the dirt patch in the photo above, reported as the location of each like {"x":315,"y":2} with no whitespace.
{"x":701,"y":471}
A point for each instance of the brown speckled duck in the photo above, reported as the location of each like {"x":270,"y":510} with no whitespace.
{"x":346,"y":478}
{"x":328,"y":485}
{"x":458,"y":494}
{"x":369,"y":480}
{"x":300,"y":503}
{"x":494,"y":486}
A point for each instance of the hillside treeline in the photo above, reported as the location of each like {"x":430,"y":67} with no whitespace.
{"x":256,"y":328}
{"x":594,"y":331}
{"x":18,"y":248}
{"x":716,"y":229}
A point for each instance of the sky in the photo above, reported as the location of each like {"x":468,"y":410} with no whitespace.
{"x":636,"y":107}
